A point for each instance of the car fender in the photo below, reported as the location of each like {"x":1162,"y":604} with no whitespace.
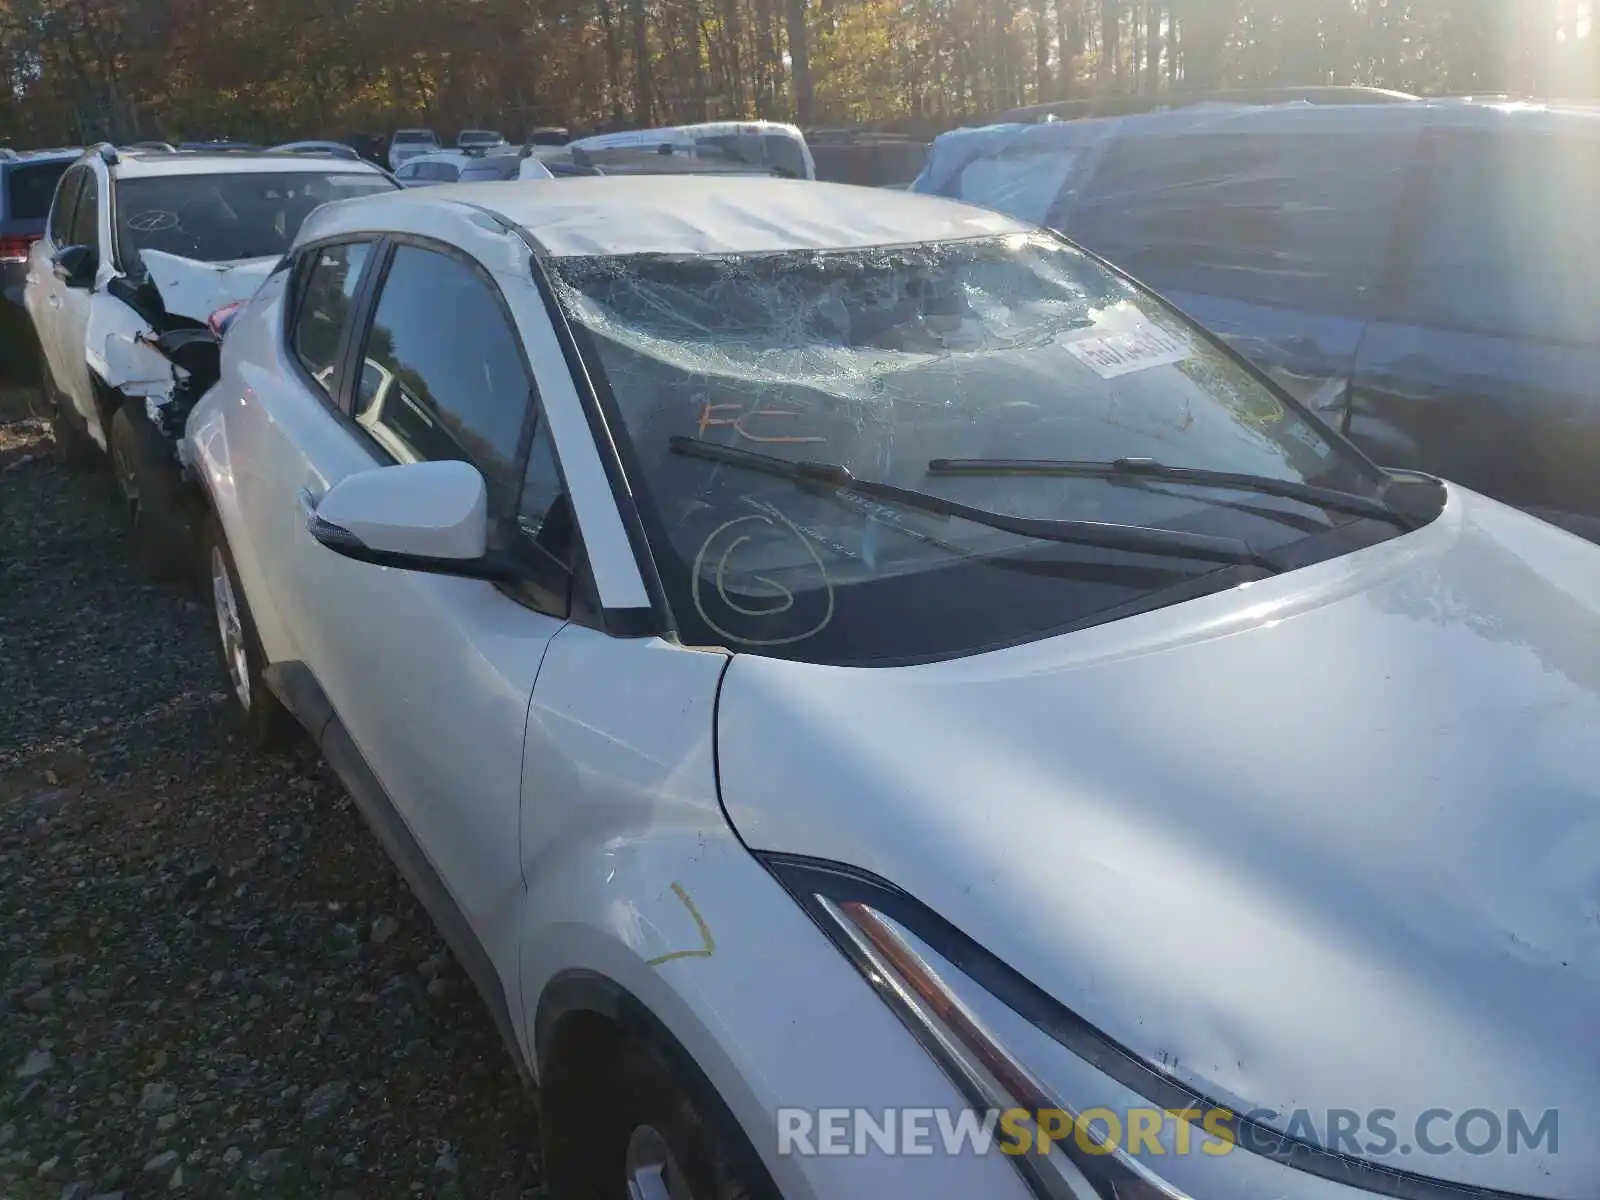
{"x":118,"y":353}
{"x":638,"y":886}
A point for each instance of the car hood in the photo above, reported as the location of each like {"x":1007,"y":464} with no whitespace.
{"x":1329,"y":840}
{"x":194,"y":289}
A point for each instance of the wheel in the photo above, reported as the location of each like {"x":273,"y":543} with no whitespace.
{"x":267,"y":723}
{"x":149,"y":488}
{"x":74,"y":447}
{"x":627,"y":1130}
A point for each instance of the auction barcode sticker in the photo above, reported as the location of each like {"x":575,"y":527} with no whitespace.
{"x":1114,"y":354}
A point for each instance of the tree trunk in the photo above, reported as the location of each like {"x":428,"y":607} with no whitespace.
{"x":1110,"y":38}
{"x":1041,"y":53}
{"x":733,"y":54}
{"x":768,"y":65}
{"x":1174,"y":46}
{"x":643,"y":91}
{"x":1152,"y":39}
{"x":1069,"y":44}
{"x":800,"y":63}
{"x":614,"y":84}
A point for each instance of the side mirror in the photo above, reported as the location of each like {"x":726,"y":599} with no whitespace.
{"x":75,"y":266}
{"x":426,"y":516}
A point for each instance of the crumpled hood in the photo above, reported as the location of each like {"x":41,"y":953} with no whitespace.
{"x":194,"y":289}
{"x":1330,"y":840}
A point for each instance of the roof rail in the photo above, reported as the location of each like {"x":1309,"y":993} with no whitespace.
{"x":107,"y":153}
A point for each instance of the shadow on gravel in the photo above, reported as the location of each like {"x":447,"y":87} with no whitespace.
{"x":212,"y":982}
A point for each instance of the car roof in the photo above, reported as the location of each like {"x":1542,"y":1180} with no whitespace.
{"x":450,"y":155}
{"x":1291,"y":118}
{"x":687,"y":215}
{"x":138,"y":164}
{"x":31,"y":157}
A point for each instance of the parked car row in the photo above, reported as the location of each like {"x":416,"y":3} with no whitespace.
{"x":828,"y":654}
{"x":1422,"y":272}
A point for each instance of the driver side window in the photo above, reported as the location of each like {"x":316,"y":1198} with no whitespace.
{"x":442,"y":370}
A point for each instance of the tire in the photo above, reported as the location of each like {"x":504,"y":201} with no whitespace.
{"x":267,"y":724}
{"x":148,"y":486}
{"x":627,"y":1129}
{"x":74,"y":447}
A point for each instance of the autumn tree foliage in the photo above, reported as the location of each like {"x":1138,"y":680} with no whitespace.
{"x":276,"y":69}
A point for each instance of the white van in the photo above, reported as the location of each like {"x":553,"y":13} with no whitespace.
{"x":768,"y":143}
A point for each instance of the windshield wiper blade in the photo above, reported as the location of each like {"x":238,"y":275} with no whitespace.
{"x":1330,"y":499}
{"x":1131,"y":539}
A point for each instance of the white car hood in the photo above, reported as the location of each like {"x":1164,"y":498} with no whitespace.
{"x":1331,"y":840}
{"x":194,"y":289}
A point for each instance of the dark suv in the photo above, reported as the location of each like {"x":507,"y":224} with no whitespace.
{"x":27,"y":185}
{"x":1424,"y":273}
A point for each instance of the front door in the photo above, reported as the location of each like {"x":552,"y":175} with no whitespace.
{"x":432,"y":676}
{"x":43,"y":295}
{"x":72,"y":320}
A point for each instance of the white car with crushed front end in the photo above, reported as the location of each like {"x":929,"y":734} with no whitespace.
{"x":884,"y":707}
{"x":141,"y":250}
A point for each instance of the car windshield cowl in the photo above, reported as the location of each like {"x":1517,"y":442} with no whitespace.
{"x":850,"y":372}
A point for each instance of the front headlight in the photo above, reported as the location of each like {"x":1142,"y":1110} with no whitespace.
{"x":850,"y":910}
{"x":879,"y":927}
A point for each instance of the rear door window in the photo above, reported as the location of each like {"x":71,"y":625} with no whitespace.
{"x":329,"y":286}
{"x":1295,"y":220}
{"x":29,"y":188}
{"x":1509,"y":244}
{"x":86,"y":217}
{"x":66,"y":202}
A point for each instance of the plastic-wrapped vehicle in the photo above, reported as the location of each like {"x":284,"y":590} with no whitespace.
{"x":1421,"y":271}
{"x":765,"y":144}
{"x":140,"y":253}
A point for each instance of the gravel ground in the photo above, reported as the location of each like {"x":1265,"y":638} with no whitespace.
{"x":212,"y":982}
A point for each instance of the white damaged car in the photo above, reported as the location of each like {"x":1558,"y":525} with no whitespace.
{"x":142,"y":250}
{"x":884,"y":707}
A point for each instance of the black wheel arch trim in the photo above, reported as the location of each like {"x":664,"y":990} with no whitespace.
{"x":803,"y":878}
{"x":580,"y":990}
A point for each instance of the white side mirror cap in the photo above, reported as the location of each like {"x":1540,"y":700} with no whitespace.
{"x":424,"y":510}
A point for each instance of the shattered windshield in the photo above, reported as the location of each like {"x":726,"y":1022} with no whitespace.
{"x":225,"y":217}
{"x":884,"y":360}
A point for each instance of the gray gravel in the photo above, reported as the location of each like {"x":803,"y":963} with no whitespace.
{"x":212,"y":982}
